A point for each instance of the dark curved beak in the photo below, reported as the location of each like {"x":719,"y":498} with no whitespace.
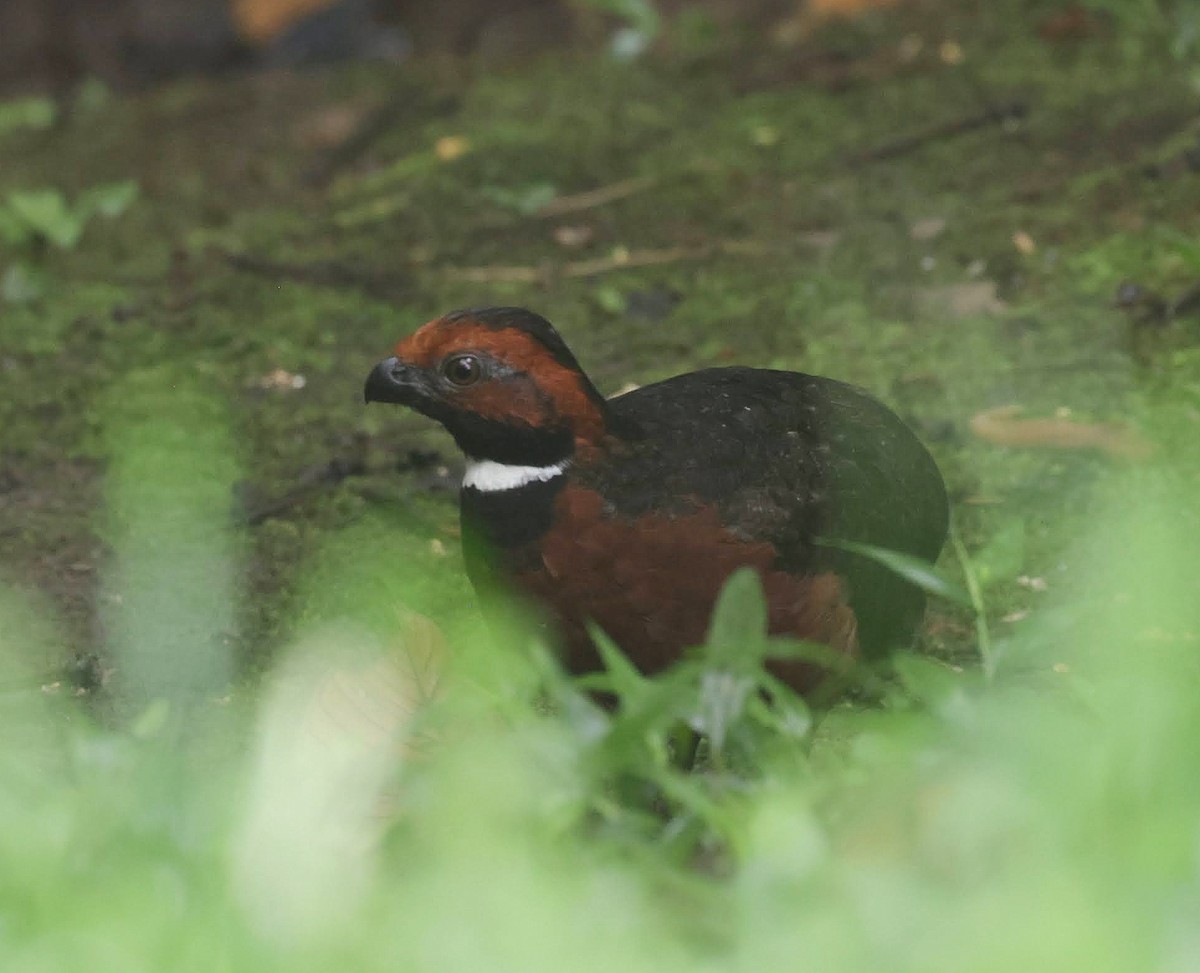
{"x":394,"y":381}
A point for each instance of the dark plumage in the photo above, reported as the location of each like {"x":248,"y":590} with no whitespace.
{"x":633,"y":511}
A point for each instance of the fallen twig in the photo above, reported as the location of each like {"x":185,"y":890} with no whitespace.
{"x":406,"y":101}
{"x":619,"y":259}
{"x":992,"y":115}
{"x":591,"y":198}
{"x":321,"y":273}
{"x":425,"y":471}
{"x":310,"y":483}
{"x":1002,"y":427}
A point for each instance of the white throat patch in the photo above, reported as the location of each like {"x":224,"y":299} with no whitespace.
{"x":488,"y":476}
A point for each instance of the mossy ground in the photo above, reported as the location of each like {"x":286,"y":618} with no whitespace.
{"x":796,"y":250}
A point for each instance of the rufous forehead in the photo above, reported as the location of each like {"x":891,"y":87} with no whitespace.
{"x":432,"y":342}
{"x":425,"y":345}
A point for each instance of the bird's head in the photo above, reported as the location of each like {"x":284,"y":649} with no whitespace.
{"x":501,"y":381}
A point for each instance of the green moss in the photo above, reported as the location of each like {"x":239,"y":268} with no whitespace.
{"x":814,"y":263}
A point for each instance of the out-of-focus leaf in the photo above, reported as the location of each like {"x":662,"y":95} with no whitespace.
{"x":739,"y":618}
{"x":786,"y":713}
{"x":642,"y":15}
{"x":927,"y":680}
{"x":376,"y":210}
{"x":609,"y":299}
{"x":109,"y":200}
{"x":625,"y":680}
{"x":36,"y":113}
{"x":92,"y":95}
{"x":13,"y":232}
{"x":723,"y":696}
{"x":525,"y":200}
{"x":151,"y":721}
{"x":21,"y":283}
{"x":921,"y":573}
{"x":1003,"y":557}
{"x":629,"y":43}
{"x":45,"y":211}
{"x":690,"y":794}
{"x":1186,"y":248}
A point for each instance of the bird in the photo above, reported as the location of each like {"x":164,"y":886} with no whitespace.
{"x":630,"y":513}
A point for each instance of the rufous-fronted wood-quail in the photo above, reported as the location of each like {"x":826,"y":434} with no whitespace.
{"x":632,"y":511}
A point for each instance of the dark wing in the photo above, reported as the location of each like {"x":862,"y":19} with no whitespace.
{"x":786,"y":458}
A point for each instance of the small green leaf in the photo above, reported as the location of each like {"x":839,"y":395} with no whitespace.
{"x":642,"y":15}
{"x":786,"y":713}
{"x":22,"y":283}
{"x":45,"y":211}
{"x":92,"y":95}
{"x":1002,"y":557}
{"x":624,"y":678}
{"x":109,"y":200}
{"x":36,"y":113}
{"x":929,"y":681}
{"x":609,"y":299}
{"x":151,"y":721}
{"x":526,"y":200}
{"x":589,"y":722}
{"x":629,"y":43}
{"x":377,"y":210}
{"x":723,"y":696}
{"x":785,"y":647}
{"x":739,"y":618}
{"x":689,"y":793}
{"x":13,"y":232}
{"x":921,"y":573}
{"x":1186,"y":249}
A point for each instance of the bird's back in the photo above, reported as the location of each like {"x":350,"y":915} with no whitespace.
{"x":781,"y":454}
{"x":787,"y":459}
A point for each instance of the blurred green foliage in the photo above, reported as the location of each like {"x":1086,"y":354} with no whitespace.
{"x":26,"y":113}
{"x":1044,"y":817}
{"x":32,"y":219}
{"x":339,"y":818}
{"x":1175,"y":21}
{"x":642,"y":23}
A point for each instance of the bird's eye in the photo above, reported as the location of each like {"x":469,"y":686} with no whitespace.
{"x":462,"y":370}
